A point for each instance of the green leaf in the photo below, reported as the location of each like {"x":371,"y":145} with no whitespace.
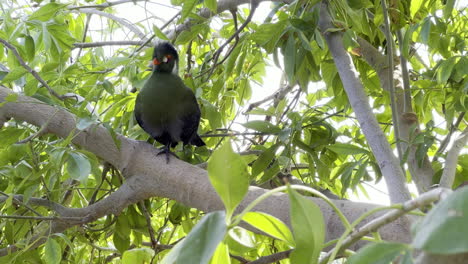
{"x":14,"y":75}
{"x":78,"y":166}
{"x":240,"y":240}
{"x":346,"y":149}
{"x":46,"y":12}
{"x":262,"y":126}
{"x":10,"y":135}
{"x":270,"y":225}
{"x":444,"y":70}
{"x":212,"y":5}
{"x":378,"y":253}
{"x":425,"y":31}
{"x":30,"y":47}
{"x":407,"y":40}
{"x":415,"y":7}
{"x":52,"y":251}
{"x":448,"y":8}
{"x":444,"y":229}
{"x":84,"y":123}
{"x":221,"y":255}
{"x":264,"y":160}
{"x":290,"y":58}
{"x":308,"y":228}
{"x":268,"y":34}
{"x":108,"y":86}
{"x":121,"y":237}
{"x":228,"y":175}
{"x":138,"y":255}
{"x":187,"y":8}
{"x":200,"y":244}
{"x":158,"y":32}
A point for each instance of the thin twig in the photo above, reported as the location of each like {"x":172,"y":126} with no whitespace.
{"x":237,"y":134}
{"x":374,"y":225}
{"x":41,"y":130}
{"x":42,"y":218}
{"x":17,"y":201}
{"x":33,"y":72}
{"x":88,"y":19}
{"x":105,"y":5}
{"x":447,"y":138}
{"x":278,"y":95}
{"x":109,"y":43}
{"x":405,"y":75}
{"x":272,"y":258}
{"x":145,"y":212}
{"x":388,"y":36}
{"x":254,"y":5}
{"x":145,"y":43}
{"x":119,"y":20}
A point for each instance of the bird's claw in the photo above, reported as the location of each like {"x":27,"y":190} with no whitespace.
{"x":167,"y":151}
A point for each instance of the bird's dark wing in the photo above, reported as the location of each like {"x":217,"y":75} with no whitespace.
{"x":190,"y":121}
{"x":163,"y":138}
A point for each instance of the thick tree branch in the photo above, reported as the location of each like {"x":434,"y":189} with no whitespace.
{"x":388,"y":163}
{"x":421,"y":175}
{"x":148,"y":175}
{"x":448,"y":175}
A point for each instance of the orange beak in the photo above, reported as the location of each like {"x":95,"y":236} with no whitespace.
{"x":156,"y":62}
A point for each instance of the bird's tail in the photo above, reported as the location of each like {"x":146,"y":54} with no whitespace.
{"x":197,"y":141}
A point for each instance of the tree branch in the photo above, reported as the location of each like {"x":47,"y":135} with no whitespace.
{"x":395,"y":119}
{"x":119,"y":20}
{"x":448,"y":175}
{"x":105,"y":5}
{"x":421,"y":175}
{"x":108,"y":43}
{"x":374,"y":225}
{"x":148,"y":175}
{"x":388,"y":163}
{"x":272,"y":258}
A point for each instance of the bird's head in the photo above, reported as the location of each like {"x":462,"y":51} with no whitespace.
{"x":165,"y":58}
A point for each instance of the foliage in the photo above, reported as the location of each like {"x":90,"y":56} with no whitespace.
{"x":310,"y":132}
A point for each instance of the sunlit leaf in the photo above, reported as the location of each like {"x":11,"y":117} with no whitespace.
{"x":443,"y":230}
{"x":78,"y":166}
{"x":308,"y":228}
{"x":270,"y":225}
{"x":228,"y":175}
{"x":200,"y":244}
{"x":378,"y":253}
{"x":46,"y":12}
{"x":52,"y":251}
{"x":262,"y":126}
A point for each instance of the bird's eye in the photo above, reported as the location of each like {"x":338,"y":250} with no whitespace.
{"x":167,"y":58}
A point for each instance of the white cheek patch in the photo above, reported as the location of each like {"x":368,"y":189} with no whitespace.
{"x":165,"y":59}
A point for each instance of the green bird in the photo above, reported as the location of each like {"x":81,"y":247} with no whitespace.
{"x":165,"y":108}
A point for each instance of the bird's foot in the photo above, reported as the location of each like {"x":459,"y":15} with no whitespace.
{"x":167,"y":151}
